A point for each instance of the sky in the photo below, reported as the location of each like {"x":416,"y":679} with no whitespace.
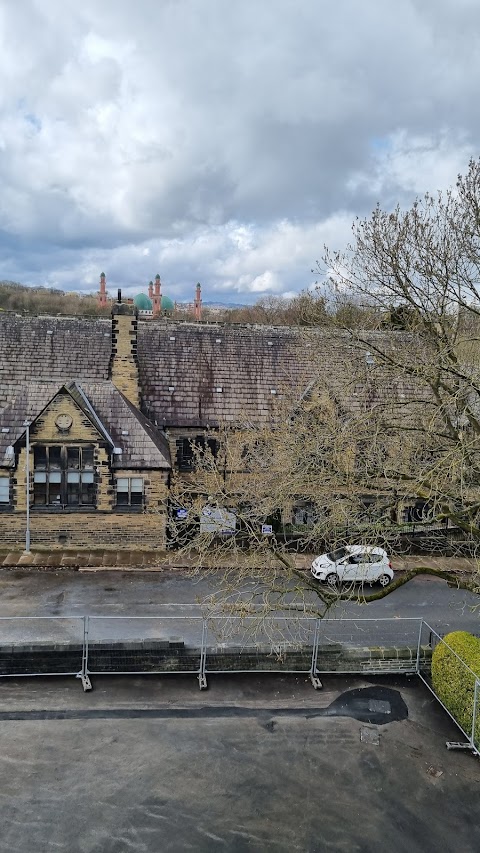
{"x":218,"y":141}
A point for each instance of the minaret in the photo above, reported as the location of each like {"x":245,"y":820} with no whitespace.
{"x":198,"y":302}
{"x":157,"y":297}
{"x":150,"y":291}
{"x":102,"y":296}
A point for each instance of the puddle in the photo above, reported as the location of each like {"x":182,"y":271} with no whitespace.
{"x":376,"y":705}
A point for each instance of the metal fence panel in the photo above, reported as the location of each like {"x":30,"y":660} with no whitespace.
{"x":368,"y":645}
{"x":370,"y":632}
{"x":266,"y":644}
{"x":41,"y":645}
{"x":464,"y":710}
{"x":130,"y":645}
{"x":476,"y":717}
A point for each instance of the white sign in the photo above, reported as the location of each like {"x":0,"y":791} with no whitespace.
{"x":182,"y":513}
{"x":267,"y":528}
{"x":217,"y":520}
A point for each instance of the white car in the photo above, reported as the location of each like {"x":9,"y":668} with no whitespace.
{"x":359,"y":563}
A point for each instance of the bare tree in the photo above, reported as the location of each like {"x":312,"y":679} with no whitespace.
{"x":318,"y":477}
{"x":420,"y":270}
{"x":397,"y":422}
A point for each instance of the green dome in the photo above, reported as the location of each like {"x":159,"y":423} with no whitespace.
{"x":167,"y":304}
{"x":142,"y":302}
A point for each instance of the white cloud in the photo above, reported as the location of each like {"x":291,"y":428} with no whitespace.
{"x":221,"y":142}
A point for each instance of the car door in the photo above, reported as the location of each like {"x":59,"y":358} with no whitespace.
{"x":351,"y":567}
{"x":360,"y":568}
{"x":375,"y":568}
{"x":364,"y":567}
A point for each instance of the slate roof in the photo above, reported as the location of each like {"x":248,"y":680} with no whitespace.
{"x":193,"y":375}
{"x":111,"y":413}
{"x":142,"y":445}
{"x":52,"y":349}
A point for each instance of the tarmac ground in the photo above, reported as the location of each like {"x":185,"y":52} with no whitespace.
{"x":151,"y":765}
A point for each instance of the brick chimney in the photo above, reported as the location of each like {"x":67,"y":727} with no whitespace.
{"x":123,"y":361}
{"x":102,"y":296}
{"x":198,"y":302}
{"x":157,"y":297}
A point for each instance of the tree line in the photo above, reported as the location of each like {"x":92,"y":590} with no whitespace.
{"x":43,"y":300}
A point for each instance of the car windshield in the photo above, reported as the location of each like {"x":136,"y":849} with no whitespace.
{"x":337,"y":555}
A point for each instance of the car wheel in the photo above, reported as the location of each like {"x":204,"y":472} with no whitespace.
{"x":384,"y":580}
{"x":332,"y":579}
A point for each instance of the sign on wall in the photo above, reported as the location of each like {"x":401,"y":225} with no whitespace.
{"x":217,"y":520}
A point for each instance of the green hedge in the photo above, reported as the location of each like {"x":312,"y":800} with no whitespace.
{"x":453,"y":682}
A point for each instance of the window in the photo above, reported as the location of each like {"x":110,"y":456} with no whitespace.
{"x":337,"y":555}
{"x":356,"y":559}
{"x":129,"y":491}
{"x":418,"y":512}
{"x":63,"y":476}
{"x":4,"y":490}
{"x":184,"y":454}
{"x":188,"y":447}
{"x":304,"y":514}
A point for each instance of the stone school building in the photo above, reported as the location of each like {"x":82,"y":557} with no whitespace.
{"x":108,"y":411}
{"x":97,"y":416}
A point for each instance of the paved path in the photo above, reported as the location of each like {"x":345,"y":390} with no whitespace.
{"x":133,"y":560}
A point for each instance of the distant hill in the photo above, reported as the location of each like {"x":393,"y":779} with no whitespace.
{"x":223,"y":304}
{"x":47,"y":300}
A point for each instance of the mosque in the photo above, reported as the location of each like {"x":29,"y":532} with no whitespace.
{"x":155,"y":304}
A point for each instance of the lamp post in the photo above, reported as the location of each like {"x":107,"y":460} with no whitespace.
{"x":27,"y":487}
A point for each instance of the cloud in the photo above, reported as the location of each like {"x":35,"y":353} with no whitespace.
{"x":404,"y":165}
{"x":220,"y":142}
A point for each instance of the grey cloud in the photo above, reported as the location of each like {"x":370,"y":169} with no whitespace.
{"x":122,"y":133}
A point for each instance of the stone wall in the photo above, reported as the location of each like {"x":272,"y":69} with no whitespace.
{"x":84,"y":529}
{"x":173,"y":656}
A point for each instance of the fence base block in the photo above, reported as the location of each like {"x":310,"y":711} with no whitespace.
{"x":202,"y":682}
{"x":317,"y":684}
{"x":452,"y":745}
{"x":86,"y":683}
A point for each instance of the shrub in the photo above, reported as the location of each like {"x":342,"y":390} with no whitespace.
{"x":453,"y":680}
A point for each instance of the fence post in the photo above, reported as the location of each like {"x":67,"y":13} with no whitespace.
{"x":313,"y":668}
{"x":83,"y":674}
{"x":202,"y":678}
{"x":419,"y":643}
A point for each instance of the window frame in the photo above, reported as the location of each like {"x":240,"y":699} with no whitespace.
{"x":187,"y":446}
{"x":56,"y":471}
{"x":128,"y":506}
{"x":6,"y":504}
